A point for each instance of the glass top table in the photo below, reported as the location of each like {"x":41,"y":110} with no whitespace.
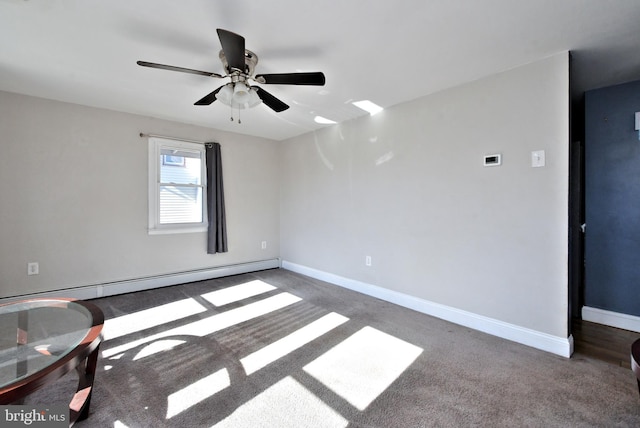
{"x":43,"y":339}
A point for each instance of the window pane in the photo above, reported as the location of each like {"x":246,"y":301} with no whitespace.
{"x":173,"y":160}
{"x":180,"y":169}
{"x":180,"y":204}
{"x":185,"y":153}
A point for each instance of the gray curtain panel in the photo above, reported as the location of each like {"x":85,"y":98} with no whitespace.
{"x":217,"y":234}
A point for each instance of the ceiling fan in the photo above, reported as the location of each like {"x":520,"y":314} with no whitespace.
{"x":239,"y":65}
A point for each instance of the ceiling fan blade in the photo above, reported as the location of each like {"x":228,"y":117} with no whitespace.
{"x":208,"y":99}
{"x":315,"y":78}
{"x":272,"y":102}
{"x":233,"y":47}
{"x":181,"y":69}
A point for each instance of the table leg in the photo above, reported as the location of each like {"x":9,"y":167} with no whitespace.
{"x":22,"y":338}
{"x":79,"y":406}
{"x":635,"y":361}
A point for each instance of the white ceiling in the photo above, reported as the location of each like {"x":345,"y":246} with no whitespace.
{"x":85,"y":51}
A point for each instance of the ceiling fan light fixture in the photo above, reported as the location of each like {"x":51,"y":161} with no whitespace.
{"x":254,"y":99}
{"x":238,"y":95}
{"x":225,"y":95}
{"x":241,"y":93}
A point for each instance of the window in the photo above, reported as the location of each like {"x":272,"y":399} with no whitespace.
{"x":176,"y":187}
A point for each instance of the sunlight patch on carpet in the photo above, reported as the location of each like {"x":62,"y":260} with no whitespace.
{"x":278,"y":349}
{"x":152,"y":317}
{"x":213,"y":323}
{"x":362,"y":366}
{"x":198,"y":391}
{"x":286,"y":404}
{"x":238,"y":292}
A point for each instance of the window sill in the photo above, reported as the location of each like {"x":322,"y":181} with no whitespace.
{"x":174,"y":230}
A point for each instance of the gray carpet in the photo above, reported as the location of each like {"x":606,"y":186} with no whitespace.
{"x":304,"y":353}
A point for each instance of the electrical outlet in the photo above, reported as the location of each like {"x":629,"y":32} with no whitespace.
{"x":33,"y":268}
{"x":537,"y":159}
{"x":264,"y":245}
{"x":367,"y":260}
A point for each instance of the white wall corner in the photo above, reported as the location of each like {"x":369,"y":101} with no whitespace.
{"x":562,"y":346}
{"x":612,"y":319}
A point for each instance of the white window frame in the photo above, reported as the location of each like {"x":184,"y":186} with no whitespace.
{"x":156,"y":145}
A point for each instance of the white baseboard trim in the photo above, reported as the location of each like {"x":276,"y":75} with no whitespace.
{"x":562,"y":346}
{"x":146,"y":283}
{"x":612,"y":319}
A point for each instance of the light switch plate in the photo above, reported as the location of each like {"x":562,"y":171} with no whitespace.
{"x":537,"y":158}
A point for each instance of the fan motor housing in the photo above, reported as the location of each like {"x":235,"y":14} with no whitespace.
{"x":250,"y":62}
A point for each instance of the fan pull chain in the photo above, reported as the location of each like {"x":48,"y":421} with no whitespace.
{"x":231,"y":109}
{"x":239,"y":119}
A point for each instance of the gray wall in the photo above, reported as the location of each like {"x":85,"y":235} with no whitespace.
{"x":408,"y":188}
{"x":612,"y":199}
{"x":73,"y":185}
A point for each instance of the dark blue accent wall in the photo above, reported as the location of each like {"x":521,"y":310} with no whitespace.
{"x":612,"y":199}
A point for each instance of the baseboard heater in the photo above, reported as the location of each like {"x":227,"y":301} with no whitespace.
{"x":146,"y":283}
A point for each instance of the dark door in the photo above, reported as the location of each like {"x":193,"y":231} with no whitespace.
{"x":576,"y":230}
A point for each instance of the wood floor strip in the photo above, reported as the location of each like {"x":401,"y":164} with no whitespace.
{"x":605,"y":343}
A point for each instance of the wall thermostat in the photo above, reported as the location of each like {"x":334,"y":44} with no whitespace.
{"x":493,"y":160}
